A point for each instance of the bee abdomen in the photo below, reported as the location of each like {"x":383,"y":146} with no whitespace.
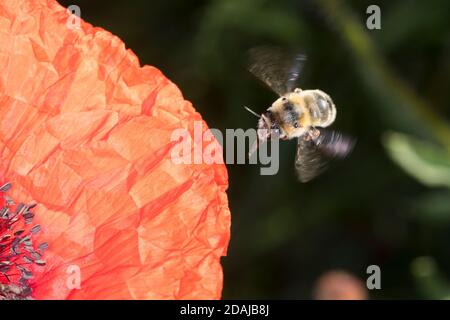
{"x":322,"y":109}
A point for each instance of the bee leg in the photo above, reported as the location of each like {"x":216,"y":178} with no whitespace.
{"x":313,"y":133}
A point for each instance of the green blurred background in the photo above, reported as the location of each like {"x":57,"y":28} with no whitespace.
{"x":387,"y":204}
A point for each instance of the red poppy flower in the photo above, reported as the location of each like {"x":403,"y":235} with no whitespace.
{"x":85,"y":133}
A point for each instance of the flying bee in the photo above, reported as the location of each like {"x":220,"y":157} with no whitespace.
{"x":297,"y":113}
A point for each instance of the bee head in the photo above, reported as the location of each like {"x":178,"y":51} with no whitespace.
{"x":268,"y":125}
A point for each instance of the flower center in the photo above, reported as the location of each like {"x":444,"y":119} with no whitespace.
{"x":17,"y":253}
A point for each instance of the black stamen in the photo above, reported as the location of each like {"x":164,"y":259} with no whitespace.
{"x":16,"y":248}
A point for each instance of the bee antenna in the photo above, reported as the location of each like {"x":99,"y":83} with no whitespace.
{"x":252,"y":112}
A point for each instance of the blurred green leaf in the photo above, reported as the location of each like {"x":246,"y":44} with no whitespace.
{"x":225,"y":26}
{"x":405,"y":110}
{"x":424,"y":161}
{"x":407,"y":23}
{"x":432,"y":207}
{"x":430,"y":282}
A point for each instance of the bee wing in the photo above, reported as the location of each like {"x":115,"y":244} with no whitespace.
{"x":277,"y":68}
{"x":314,"y":153}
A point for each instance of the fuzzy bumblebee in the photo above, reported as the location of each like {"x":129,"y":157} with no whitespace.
{"x":297,"y":113}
